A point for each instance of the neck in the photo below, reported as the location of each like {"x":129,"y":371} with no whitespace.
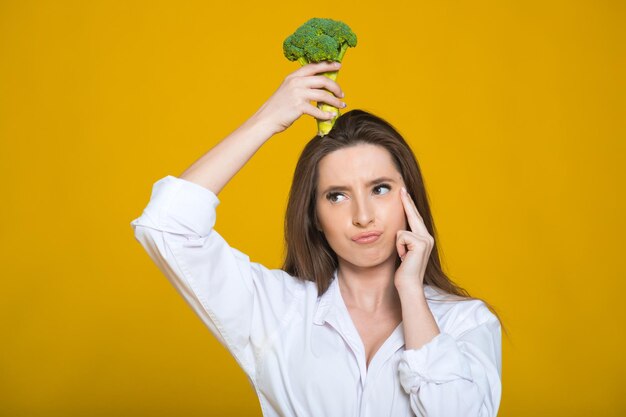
{"x":369,"y":289}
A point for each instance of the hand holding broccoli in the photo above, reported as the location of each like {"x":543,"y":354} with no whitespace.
{"x":320,"y":40}
{"x":292,"y":98}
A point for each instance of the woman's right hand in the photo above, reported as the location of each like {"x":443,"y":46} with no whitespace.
{"x":292,"y":99}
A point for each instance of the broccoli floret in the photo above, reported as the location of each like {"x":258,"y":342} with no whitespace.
{"x":319,"y":40}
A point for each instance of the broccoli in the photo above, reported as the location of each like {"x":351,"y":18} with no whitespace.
{"x":320,"y":40}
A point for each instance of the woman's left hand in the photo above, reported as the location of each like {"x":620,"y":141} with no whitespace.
{"x":413,"y":246}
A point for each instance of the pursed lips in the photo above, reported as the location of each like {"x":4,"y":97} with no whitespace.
{"x":366,"y":236}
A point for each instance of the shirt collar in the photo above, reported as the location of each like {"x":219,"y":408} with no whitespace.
{"x":329,"y":300}
{"x":325,"y":302}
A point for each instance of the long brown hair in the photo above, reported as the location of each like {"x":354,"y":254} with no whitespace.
{"x":308,"y":254}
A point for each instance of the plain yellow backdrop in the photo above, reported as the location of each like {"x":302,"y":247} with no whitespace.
{"x":515,"y":110}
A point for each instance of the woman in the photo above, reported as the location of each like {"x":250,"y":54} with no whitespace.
{"x":361,"y":320}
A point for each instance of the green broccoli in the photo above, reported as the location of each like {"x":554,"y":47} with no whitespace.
{"x":320,"y":40}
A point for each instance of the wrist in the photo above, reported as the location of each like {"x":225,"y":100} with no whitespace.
{"x":261,"y":122}
{"x":410,"y":290}
{"x":259,"y":127}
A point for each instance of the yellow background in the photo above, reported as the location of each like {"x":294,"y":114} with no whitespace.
{"x":515,"y":110}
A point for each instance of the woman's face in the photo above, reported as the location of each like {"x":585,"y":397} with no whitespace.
{"x":358,"y":191}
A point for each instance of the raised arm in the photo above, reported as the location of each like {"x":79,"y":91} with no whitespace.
{"x":242,"y":303}
{"x":290,"y":101}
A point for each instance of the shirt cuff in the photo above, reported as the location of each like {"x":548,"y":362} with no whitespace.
{"x":438,"y":361}
{"x":182,"y":207}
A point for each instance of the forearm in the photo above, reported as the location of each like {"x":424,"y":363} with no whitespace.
{"x":456,"y":372}
{"x":220,"y":164}
{"x":419,"y":324}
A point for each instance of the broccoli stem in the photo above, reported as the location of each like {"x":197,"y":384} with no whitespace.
{"x":324,"y":126}
{"x":342,"y":51}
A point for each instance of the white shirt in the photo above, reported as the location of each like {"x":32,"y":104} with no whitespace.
{"x":302,"y":353}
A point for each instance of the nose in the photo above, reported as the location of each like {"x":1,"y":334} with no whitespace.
{"x":363,"y":211}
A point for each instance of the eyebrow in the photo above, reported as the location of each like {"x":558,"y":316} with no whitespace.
{"x":346,"y":188}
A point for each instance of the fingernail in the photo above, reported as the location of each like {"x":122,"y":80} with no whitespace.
{"x":343,"y":104}
{"x":403,"y":190}
{"x":337,"y":64}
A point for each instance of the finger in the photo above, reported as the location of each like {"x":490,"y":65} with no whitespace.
{"x":400,"y":246}
{"x":414,"y":244}
{"x":315,"y":68}
{"x":406,"y":242}
{"x":320,"y":81}
{"x":415,"y":207}
{"x":325,"y":97}
{"x":317,"y":113}
{"x":412,"y":214}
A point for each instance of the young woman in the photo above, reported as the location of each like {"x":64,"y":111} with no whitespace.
{"x":361,"y":320}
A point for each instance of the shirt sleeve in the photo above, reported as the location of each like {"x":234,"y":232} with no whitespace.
{"x":456,"y":375}
{"x":243,"y":303}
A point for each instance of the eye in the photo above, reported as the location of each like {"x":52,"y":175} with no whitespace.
{"x":330,"y":197}
{"x":387,"y":186}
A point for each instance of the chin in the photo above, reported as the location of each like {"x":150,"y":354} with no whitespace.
{"x":371,"y":260}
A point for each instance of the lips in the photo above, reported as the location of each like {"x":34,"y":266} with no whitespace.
{"x":366,"y":236}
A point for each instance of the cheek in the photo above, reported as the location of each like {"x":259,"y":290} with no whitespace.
{"x":320,"y":213}
{"x":328,"y":220}
{"x":398,"y":215}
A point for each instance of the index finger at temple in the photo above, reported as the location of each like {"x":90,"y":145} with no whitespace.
{"x":409,"y":210}
{"x":415,"y":219}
